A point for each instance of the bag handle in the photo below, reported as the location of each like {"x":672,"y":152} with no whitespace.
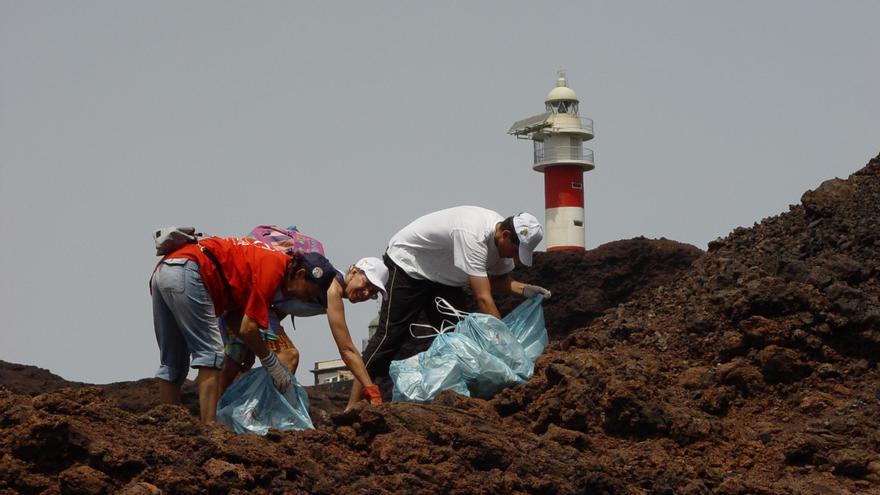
{"x":444,"y":307}
{"x":445,"y":327}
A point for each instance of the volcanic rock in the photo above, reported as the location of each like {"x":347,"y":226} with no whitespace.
{"x":748,"y":369}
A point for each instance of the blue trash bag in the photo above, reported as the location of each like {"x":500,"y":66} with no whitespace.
{"x":421,"y":377}
{"x":497,"y":340}
{"x":526,"y":322}
{"x":482,"y":356}
{"x":253,"y":404}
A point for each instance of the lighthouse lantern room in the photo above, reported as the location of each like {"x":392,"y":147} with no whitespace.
{"x":558,"y":135}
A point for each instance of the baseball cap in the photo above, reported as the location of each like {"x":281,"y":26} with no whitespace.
{"x":530,"y":233}
{"x":318,"y":270}
{"x":376,"y":272}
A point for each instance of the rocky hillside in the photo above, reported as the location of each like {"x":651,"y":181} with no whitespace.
{"x":748,"y":369}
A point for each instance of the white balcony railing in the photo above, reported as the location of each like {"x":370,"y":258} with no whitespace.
{"x":563,"y":153}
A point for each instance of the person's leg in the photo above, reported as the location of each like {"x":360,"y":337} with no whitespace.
{"x":289,"y":358}
{"x":167,"y":281}
{"x":287,"y":353}
{"x":207,"y":382}
{"x":194,"y":313}
{"x":402,"y":306}
{"x":238,"y":357}
{"x":169,"y":392}
{"x":230,"y":372}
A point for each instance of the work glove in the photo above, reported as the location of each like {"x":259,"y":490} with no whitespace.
{"x":372,"y":394}
{"x":534,"y":290}
{"x":280,"y":375}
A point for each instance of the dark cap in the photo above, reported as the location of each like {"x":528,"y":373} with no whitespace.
{"x":318,"y":270}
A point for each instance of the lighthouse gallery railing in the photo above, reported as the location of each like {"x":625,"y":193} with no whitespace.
{"x":563,"y":153}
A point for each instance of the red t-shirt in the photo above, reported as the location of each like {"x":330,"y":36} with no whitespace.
{"x":253,"y":269}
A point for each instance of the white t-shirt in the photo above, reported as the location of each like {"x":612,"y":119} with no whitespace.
{"x":450,"y":245}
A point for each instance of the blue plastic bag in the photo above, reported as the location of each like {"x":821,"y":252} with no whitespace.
{"x":254,"y":404}
{"x":526,"y":322}
{"x":421,"y":377}
{"x":482,"y":356}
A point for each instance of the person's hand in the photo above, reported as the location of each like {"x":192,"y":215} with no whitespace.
{"x":372,"y":394}
{"x":534,"y":290}
{"x":280,"y":375}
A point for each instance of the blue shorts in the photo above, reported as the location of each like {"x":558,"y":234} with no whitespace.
{"x":183,"y":317}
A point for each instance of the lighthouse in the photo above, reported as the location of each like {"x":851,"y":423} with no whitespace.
{"x":558,"y":136}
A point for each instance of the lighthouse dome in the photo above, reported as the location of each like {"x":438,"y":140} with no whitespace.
{"x":561,"y":93}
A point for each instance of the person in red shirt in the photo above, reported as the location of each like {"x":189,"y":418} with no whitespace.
{"x":195,"y":284}
{"x":364,"y":280}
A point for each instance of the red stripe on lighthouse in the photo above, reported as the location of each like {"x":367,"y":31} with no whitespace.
{"x":564,"y":186}
{"x":565,"y":248}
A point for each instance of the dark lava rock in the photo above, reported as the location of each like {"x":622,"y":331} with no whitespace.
{"x":586,"y":284}
{"x":83,"y":480}
{"x":779,"y":364}
{"x":669,"y":371}
{"x":631,"y":416}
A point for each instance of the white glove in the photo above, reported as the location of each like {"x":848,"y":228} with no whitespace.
{"x":280,"y":375}
{"x":534,"y":290}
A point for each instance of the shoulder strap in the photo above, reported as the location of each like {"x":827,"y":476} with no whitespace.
{"x":219,"y":268}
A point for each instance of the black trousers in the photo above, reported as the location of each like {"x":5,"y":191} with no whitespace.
{"x":407,"y":298}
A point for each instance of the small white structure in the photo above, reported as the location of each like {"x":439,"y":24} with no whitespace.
{"x":331,"y":371}
{"x":558,"y":135}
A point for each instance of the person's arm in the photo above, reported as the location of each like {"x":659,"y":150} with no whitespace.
{"x":339,"y":329}
{"x":249,"y":332}
{"x":505,"y":283}
{"x":482,"y":289}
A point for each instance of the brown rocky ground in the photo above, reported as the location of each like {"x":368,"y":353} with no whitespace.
{"x":748,"y":369}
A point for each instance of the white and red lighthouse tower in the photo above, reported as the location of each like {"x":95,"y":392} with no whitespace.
{"x":558,"y":136}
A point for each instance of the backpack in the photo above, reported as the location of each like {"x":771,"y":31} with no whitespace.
{"x":169,"y":239}
{"x":288,"y":240}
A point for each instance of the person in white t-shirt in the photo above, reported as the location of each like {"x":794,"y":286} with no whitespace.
{"x":439,"y":254}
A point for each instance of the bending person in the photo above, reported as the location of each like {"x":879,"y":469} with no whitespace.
{"x":197,"y":282}
{"x":436,"y":256}
{"x":364,"y":280}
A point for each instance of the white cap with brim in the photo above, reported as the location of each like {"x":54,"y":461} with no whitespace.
{"x":376,"y":272}
{"x":530,"y":233}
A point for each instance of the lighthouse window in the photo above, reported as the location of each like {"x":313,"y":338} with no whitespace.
{"x":570,"y":107}
{"x":578,"y":223}
{"x":577,"y":185}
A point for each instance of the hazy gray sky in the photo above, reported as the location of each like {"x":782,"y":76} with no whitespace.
{"x":351,"y":119}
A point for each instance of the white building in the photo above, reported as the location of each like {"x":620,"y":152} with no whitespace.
{"x":331,"y":371}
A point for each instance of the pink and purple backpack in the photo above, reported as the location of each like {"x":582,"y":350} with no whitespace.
{"x":288,"y":240}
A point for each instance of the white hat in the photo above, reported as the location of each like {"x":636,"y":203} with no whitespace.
{"x":530,"y":233}
{"x":376,"y":272}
